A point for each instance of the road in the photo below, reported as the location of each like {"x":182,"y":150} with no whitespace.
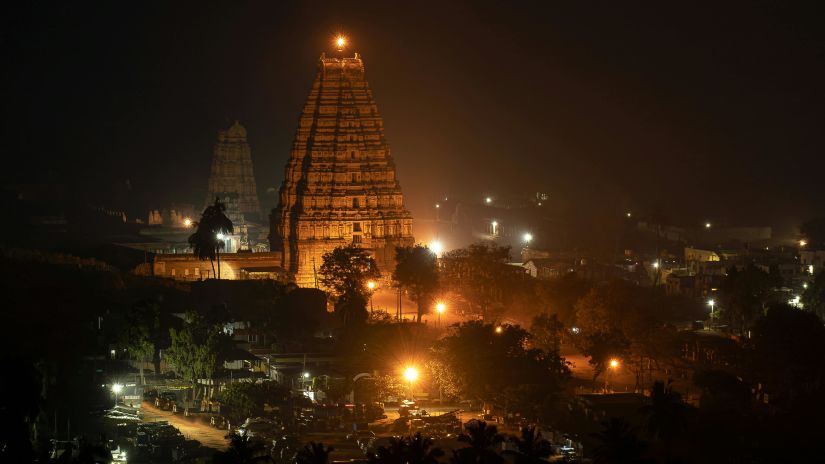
{"x":207,"y":435}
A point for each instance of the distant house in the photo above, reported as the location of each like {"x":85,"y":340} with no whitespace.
{"x":548,"y":268}
{"x":682,"y":285}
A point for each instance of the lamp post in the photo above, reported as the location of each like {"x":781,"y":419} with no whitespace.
{"x":711,"y":303}
{"x":116,"y":389}
{"x":613,"y":364}
{"x":371,"y":285}
{"x":440,"y":308}
{"x":411,"y":375}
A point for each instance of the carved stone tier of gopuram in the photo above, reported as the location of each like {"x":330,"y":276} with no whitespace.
{"x":232,"y":172}
{"x":340,"y":185}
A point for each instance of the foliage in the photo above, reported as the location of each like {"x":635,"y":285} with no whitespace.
{"x":415,"y":449}
{"x":196,"y":348}
{"x":416,"y":271}
{"x":480,"y":274}
{"x":204,"y":241}
{"x":618,"y":442}
{"x":487,"y":365}
{"x":547,"y":332}
{"x":666,"y":412}
{"x":345,"y":272}
{"x":813,"y":298}
{"x":314,"y":453}
{"x":787,"y":352}
{"x":482,"y":439}
{"x":531,"y":448}
{"x":141,"y":332}
{"x":243,"y":450}
{"x":744,"y":293}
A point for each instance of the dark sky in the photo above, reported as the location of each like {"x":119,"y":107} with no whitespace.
{"x":704,"y":111}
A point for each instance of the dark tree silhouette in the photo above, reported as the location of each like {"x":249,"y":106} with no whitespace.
{"x":531,"y":448}
{"x":243,"y":450}
{"x":416,"y":271}
{"x":482,"y":440}
{"x":314,"y":453}
{"x":666,"y":413}
{"x":204,"y":242}
{"x":345,"y":272}
{"x":407,"y":450}
{"x":618,"y":443}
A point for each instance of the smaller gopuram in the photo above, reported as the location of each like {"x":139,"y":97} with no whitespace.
{"x":232,"y":172}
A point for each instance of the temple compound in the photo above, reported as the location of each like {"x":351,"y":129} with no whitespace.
{"x":340,"y":185}
{"x":232,"y":172}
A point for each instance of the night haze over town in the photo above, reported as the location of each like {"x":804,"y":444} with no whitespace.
{"x":464,"y":232}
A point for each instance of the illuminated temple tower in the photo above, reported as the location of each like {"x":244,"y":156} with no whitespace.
{"x":340,"y":185}
{"x":231,"y":172}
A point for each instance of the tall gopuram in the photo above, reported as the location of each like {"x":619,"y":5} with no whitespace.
{"x":232,"y":172}
{"x":340,"y":185}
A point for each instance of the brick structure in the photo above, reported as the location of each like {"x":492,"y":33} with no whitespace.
{"x":340,"y":184}
{"x":232,"y":172}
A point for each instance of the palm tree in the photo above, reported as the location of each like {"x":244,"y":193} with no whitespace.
{"x":243,"y":450}
{"x":407,"y":450}
{"x":618,"y":444}
{"x":204,"y":242}
{"x":666,"y":413}
{"x":482,"y":440}
{"x":314,"y":453}
{"x":532,"y":447}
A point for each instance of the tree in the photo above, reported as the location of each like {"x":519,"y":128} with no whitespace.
{"x":195,"y":349}
{"x":407,"y":450}
{"x":618,"y":443}
{"x":547,"y":332}
{"x":531,"y":448}
{"x":744,"y":293}
{"x":666,"y":412}
{"x":417,"y":272}
{"x":813,"y":298}
{"x":480,"y":274}
{"x":204,"y":241}
{"x":240,"y":400}
{"x":243,"y":450}
{"x":314,"y":453}
{"x":490,"y":365}
{"x":482,"y":440}
{"x":345,"y":272}
{"x":140,"y":333}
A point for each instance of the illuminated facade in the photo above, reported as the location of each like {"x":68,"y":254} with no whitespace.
{"x":232,"y":172}
{"x":340,"y":184}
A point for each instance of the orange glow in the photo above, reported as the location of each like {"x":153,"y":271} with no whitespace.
{"x":614,"y":363}
{"x":440,"y":307}
{"x":340,"y":42}
{"x":499,"y":329}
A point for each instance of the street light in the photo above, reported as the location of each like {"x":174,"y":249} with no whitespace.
{"x":436,"y":247}
{"x":494,"y":224}
{"x":527,"y":237}
{"x":711,"y":303}
{"x":411,"y":375}
{"x":802,"y":243}
{"x":440,"y":308}
{"x":220,"y":236}
{"x":707,"y":225}
{"x":116,"y":389}
{"x":488,"y":200}
{"x":612,"y":365}
{"x":499,"y":329}
{"x":628,"y":214}
{"x":656,"y":264}
{"x":371,"y":285}
{"x":187,"y":222}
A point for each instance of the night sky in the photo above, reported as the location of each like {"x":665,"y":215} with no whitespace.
{"x":704,"y":111}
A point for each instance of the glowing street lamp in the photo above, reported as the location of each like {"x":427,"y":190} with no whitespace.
{"x":628,"y":214}
{"x":220,"y":236}
{"x":802,"y":243}
{"x":494,"y":225}
{"x":527,"y":237}
{"x":707,"y":225}
{"x":499,"y":329}
{"x":187,"y":222}
{"x":488,"y":200}
{"x":711,"y":303}
{"x":612,"y":365}
{"x":411,"y":375}
{"x":440,"y":308}
{"x":371,"y":285}
{"x":116,"y":389}
{"x":436,"y":247}
{"x":656,"y":264}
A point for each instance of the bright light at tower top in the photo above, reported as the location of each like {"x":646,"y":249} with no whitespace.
{"x":340,"y":42}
